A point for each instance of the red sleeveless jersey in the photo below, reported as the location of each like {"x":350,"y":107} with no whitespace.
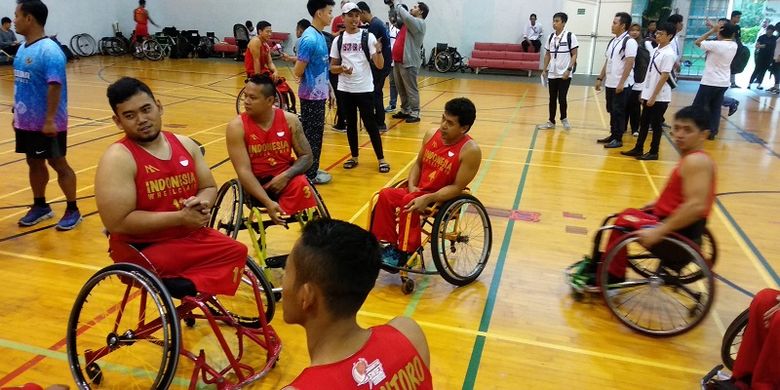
{"x":141,"y":16}
{"x":387,"y":361}
{"x":249,"y":64}
{"x":672,"y":196}
{"x":270,"y":151}
{"x":440,"y":163}
{"x":161,"y":185}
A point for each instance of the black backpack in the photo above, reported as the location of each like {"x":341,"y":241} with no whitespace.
{"x":363,"y":43}
{"x":741,"y":59}
{"x":641,"y":61}
{"x":568,"y":43}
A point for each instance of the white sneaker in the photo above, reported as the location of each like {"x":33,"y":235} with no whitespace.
{"x":565,"y":123}
{"x":635,"y":134}
{"x":548,"y":125}
{"x":322,"y":177}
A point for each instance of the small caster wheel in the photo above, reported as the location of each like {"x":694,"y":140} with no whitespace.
{"x":94,"y":373}
{"x":408,"y":286}
{"x":189,"y":321}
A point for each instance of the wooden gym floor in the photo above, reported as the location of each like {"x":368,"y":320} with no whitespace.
{"x":517,"y":326}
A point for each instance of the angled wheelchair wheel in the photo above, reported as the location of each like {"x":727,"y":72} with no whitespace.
{"x":86,"y":44}
{"x":733,"y":338}
{"x":153,"y":50}
{"x":123,"y":331}
{"x":670,"y":295}
{"x":322,"y":210}
{"x":240,"y":101}
{"x":461,"y":240}
{"x":74,"y":46}
{"x":227,"y":213}
{"x":708,"y":247}
{"x":243,"y":305}
{"x":443,"y":62}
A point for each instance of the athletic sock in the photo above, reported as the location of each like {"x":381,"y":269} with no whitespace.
{"x":72,"y":206}
{"x":40,"y":202}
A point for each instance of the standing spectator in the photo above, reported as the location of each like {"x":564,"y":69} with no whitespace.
{"x":350,"y":56}
{"x":532,"y":35}
{"x":302,"y":25}
{"x":679,"y":39}
{"x":338,"y":22}
{"x":717,"y":67}
{"x":8,"y":42}
{"x":250,"y":28}
{"x":765,"y":50}
{"x":393,"y":33}
{"x":559,"y":61}
{"x":406,"y":58}
{"x":735,"y":17}
{"x":634,"y":106}
{"x":312,"y":69}
{"x":775,"y":67}
{"x":378,"y":29}
{"x":618,"y":74}
{"x":41,"y":114}
{"x":142,"y":20}
{"x":650,"y":33}
{"x":656,"y":94}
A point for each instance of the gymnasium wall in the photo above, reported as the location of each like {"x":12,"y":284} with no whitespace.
{"x":70,"y":17}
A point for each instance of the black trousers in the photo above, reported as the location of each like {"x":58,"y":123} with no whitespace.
{"x":313,"y":123}
{"x":651,"y":116}
{"x":711,"y":98}
{"x":616,"y":106}
{"x":634,"y":110}
{"x":365,"y":102}
{"x":379,"y":97}
{"x":341,"y":120}
{"x":559,"y":90}
{"x":536,"y":43}
{"x":762,"y":65}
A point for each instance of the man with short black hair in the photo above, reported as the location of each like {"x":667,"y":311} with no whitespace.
{"x":717,"y":68}
{"x":330,"y":272}
{"x":378,"y":28}
{"x":736,"y":16}
{"x":257,"y":58}
{"x":142,"y":20}
{"x":617,"y":74}
{"x":8,"y":42}
{"x":41,"y":114}
{"x":765,"y":49}
{"x":559,"y":60}
{"x":406,"y":57}
{"x":532,"y":35}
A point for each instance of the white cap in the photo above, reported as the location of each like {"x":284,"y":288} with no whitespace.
{"x":349,"y":7}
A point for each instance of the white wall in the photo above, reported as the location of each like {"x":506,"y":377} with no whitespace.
{"x":70,"y":17}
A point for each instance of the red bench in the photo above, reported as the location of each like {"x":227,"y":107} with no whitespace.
{"x":279,"y":37}
{"x":506,"y":56}
{"x":226,"y":47}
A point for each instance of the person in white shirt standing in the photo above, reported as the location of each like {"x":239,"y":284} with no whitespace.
{"x":532,"y":34}
{"x":717,"y":70}
{"x":559,"y":62}
{"x":617,"y":74}
{"x":350,"y":56}
{"x":656,"y":94}
{"x":634,"y":108}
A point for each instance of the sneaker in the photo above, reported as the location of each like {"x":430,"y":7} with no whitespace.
{"x":401,"y":115}
{"x":390,"y":259}
{"x":735,"y":86}
{"x":566,"y":125}
{"x":615,"y":143}
{"x":36,"y":214}
{"x":339,"y":129}
{"x":413,"y":119}
{"x":760,"y":88}
{"x":635,"y":134}
{"x":382,"y":129}
{"x":70,"y":220}
{"x":548,"y":125}
{"x":733,"y":108}
{"x":322,"y":178}
{"x":390,"y":108}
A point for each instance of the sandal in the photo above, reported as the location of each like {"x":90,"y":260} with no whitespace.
{"x":384,"y":167}
{"x":351,"y":163}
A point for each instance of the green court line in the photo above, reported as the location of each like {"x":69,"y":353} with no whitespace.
{"x":487,"y":314}
{"x":418,"y":292}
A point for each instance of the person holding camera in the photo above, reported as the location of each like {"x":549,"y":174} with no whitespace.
{"x":406,"y":57}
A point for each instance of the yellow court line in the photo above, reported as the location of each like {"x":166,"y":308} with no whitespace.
{"x":50,"y":261}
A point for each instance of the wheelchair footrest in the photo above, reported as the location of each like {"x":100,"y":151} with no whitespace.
{"x":276,"y":261}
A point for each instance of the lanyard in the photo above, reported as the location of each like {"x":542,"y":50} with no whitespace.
{"x":558,"y":43}
{"x":617,"y":42}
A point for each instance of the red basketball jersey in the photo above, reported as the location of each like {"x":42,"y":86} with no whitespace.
{"x":672,"y":196}
{"x":249,"y":64}
{"x":270,"y":151}
{"x":161,"y":185}
{"x":388,"y":360}
{"x":440,"y":163}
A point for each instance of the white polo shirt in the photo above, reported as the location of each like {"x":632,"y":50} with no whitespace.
{"x":661,"y":61}
{"x":616,"y":60}
{"x":717,"y":66}
{"x":533,"y":33}
{"x":560,"y":56}
{"x":353,"y":56}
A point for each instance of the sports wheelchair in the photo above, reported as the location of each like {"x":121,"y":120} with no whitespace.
{"x":235,"y":210}
{"x":124,"y":330}
{"x":668,"y":289}
{"x":460,"y":236}
{"x":284,"y":97}
{"x":445,"y":58}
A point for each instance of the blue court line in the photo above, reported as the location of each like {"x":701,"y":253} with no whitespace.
{"x":487,"y":314}
{"x":733,"y":285}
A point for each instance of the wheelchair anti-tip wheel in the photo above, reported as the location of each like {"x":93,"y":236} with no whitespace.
{"x":243,"y":305}
{"x":123,"y":331}
{"x":227,"y":213}
{"x":461,"y":240}
{"x":667,"y":290}
{"x":733,"y":338}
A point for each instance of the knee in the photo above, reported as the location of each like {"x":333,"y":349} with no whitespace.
{"x":36,"y":163}
{"x":764,"y":300}
{"x":60,"y":165}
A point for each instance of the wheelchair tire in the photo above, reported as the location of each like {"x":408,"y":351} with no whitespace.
{"x":681,"y":289}
{"x":153,"y":50}
{"x":279,"y":101}
{"x":86,"y":45}
{"x":74,"y":46}
{"x":447,"y":228}
{"x":708,"y":250}
{"x":137,"y":289}
{"x":443,"y":62}
{"x":227,"y":213}
{"x":322,"y":210}
{"x":238,"y":304}
{"x":733,"y":338}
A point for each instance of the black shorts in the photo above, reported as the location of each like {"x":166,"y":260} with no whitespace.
{"x":38,"y":146}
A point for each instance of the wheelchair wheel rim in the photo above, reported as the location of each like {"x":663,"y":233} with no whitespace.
{"x":462,"y":241}
{"x":226,"y":215}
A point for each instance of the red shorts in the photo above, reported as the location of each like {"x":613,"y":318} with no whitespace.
{"x":296,"y":197}
{"x":212,"y":261}
{"x":141,"y":30}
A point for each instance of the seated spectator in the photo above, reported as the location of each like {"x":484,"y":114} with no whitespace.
{"x":330,"y":271}
{"x":532,"y":35}
{"x":260,"y":144}
{"x":8,"y":42}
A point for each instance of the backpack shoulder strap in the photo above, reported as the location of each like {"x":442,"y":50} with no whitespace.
{"x":364,"y":44}
{"x":339,"y":41}
{"x":568,"y":40}
{"x":625,"y":42}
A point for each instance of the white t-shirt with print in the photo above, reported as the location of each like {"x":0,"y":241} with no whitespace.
{"x":616,"y":60}
{"x":661,"y":61}
{"x":560,"y":56}
{"x":717,"y":66}
{"x":353,"y":56}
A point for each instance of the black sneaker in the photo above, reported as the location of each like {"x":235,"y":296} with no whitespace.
{"x":604,"y":140}
{"x":401,"y":115}
{"x":632,"y":153}
{"x":413,"y":119}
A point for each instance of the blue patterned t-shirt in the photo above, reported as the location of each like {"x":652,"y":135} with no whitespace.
{"x":313,"y":50}
{"x":35,"y":67}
